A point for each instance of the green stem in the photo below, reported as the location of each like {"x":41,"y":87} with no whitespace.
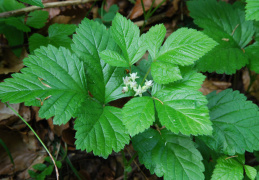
{"x":157,"y":7}
{"x":90,"y":8}
{"x":125,"y":174}
{"x":146,"y":76}
{"x":132,"y":158}
{"x":57,"y":174}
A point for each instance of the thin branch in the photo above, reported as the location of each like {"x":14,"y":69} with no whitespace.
{"x":46,"y":5}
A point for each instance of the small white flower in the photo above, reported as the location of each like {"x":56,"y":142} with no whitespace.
{"x":138,"y":91}
{"x":125,"y":89}
{"x":149,"y":83}
{"x":144,"y":89}
{"x":126,"y":80}
{"x":134,"y":76}
{"x":133,"y":84}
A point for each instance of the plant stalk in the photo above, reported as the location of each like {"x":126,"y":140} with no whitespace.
{"x":56,"y":169}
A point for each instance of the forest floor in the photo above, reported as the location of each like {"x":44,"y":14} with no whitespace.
{"x":22,"y":144}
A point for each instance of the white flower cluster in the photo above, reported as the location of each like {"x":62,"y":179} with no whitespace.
{"x":132,"y":84}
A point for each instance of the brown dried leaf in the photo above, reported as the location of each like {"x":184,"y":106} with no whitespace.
{"x":11,"y":63}
{"x":6,"y":112}
{"x":138,"y":10}
{"x":19,"y":150}
{"x":208,"y":86}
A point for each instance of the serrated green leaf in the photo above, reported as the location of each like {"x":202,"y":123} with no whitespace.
{"x":9,"y":5}
{"x":227,"y":168}
{"x":17,"y":22}
{"x":235,"y":123}
{"x":185,"y":46}
{"x":154,"y":39}
{"x":165,"y":72}
{"x":37,"y":19}
{"x":14,"y":36}
{"x":51,"y":74}
{"x":34,"y":2}
{"x":114,"y":8}
{"x":250,"y":172}
{"x":108,"y":17}
{"x":61,"y":30}
{"x":226,"y":24}
{"x":144,"y":66}
{"x":58,"y":36}
{"x":169,"y":155}
{"x":39,"y":167}
{"x":104,"y":81}
{"x":181,"y":107}
{"x":113,"y":58}
{"x":252,"y":10}
{"x":253,"y":53}
{"x":127,"y":36}
{"x":100,"y":129}
{"x":138,"y":114}
{"x":36,"y":41}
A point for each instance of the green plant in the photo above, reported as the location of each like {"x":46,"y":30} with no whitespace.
{"x":172,"y":126}
{"x":43,"y":170}
{"x":227,"y":24}
{"x":14,"y":27}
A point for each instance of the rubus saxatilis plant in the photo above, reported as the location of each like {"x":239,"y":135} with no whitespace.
{"x":166,"y":112}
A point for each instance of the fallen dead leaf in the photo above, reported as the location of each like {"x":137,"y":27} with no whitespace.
{"x":138,"y":10}
{"x":208,"y":86}
{"x":11,"y":63}
{"x":6,"y":112}
{"x":19,"y":150}
{"x":254,"y":89}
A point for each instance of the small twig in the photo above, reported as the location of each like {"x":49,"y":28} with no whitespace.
{"x":46,"y":5}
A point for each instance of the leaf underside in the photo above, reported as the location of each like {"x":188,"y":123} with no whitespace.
{"x":252,"y":10}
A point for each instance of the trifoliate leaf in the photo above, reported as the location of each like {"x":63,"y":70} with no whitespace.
{"x":154,"y":39}
{"x":104,"y":81}
{"x":181,"y":107}
{"x":253,"y":53}
{"x":185,"y":46}
{"x":252,"y":10}
{"x":37,"y":19}
{"x":165,"y":72}
{"x":53,"y":78}
{"x":138,"y":114}
{"x":34,"y":2}
{"x":126,"y":35}
{"x":228,"y":168}
{"x":58,"y":36}
{"x":100,"y":129}
{"x":169,"y":155}
{"x":235,"y":123}
{"x":250,"y":172}
{"x":225,"y":24}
